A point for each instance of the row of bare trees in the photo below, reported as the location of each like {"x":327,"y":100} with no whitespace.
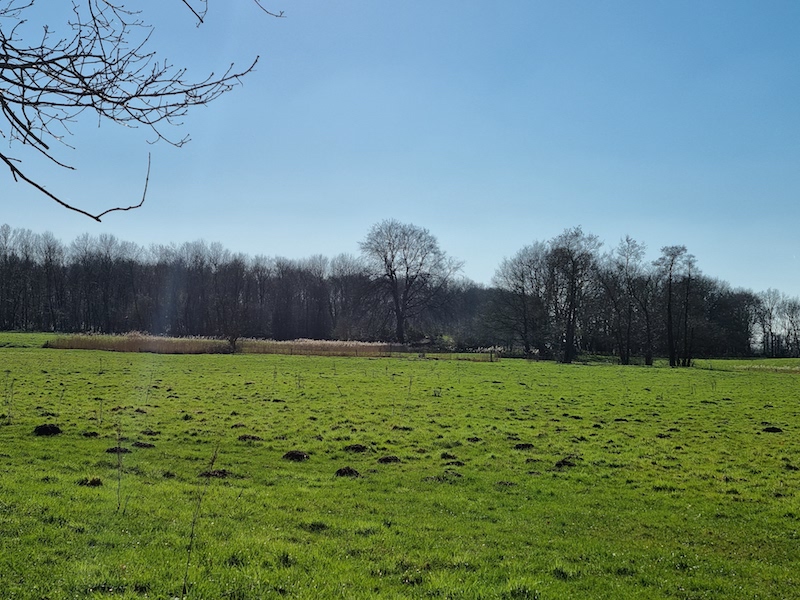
{"x":558,"y":298}
{"x":102,"y":284}
{"x":552,"y":299}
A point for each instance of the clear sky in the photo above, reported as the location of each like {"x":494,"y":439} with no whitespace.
{"x":490,"y":124}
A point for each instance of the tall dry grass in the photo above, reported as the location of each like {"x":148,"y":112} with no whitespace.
{"x":137,"y":342}
{"x":321,"y":348}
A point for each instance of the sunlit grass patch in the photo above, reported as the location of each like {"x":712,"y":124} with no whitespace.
{"x":506,"y":480}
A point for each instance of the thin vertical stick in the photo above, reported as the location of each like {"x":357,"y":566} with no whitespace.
{"x":119,"y":465}
{"x":195,"y":518}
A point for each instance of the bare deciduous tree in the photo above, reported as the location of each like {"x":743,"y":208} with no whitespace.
{"x":641,"y":284}
{"x":572,"y":257}
{"x":520,"y":305}
{"x":351,"y":297}
{"x":102,"y":65}
{"x":676,"y":264}
{"x":771,"y":302}
{"x":611,"y":276}
{"x":791,"y":314}
{"x":411,"y":266}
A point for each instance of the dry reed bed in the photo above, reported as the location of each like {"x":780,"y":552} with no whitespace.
{"x":134,"y":342}
{"x":320,"y":348}
{"x":139,"y":343}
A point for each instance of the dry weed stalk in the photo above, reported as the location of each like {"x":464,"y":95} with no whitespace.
{"x":195,"y":519}
{"x":9,"y":400}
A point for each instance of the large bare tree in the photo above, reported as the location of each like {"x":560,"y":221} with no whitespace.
{"x":98,"y":61}
{"x":572,"y":258}
{"x":675,"y":266}
{"x":641,"y":283}
{"x":410,"y":266}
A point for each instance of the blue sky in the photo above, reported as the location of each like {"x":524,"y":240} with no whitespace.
{"x":490,"y":124}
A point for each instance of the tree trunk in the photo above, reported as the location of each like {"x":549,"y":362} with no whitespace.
{"x":628,"y":334}
{"x":400,"y":330}
{"x":399,"y":312}
{"x":569,"y":334}
{"x":673,"y":360}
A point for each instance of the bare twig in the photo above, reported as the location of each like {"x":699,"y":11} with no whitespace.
{"x":194,"y":12}
{"x":104,"y":66}
{"x":278,"y":15}
{"x":20,"y":176}
{"x":133,"y":206}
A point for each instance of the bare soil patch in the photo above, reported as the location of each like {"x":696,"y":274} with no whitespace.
{"x":47,"y":429}
{"x":356,"y":448}
{"x":138,"y":444}
{"x":347,"y":472}
{"x":296,"y":455}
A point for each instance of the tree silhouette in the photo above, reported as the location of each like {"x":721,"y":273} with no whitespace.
{"x":411,"y":267}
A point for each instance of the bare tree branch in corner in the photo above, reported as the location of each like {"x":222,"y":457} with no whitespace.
{"x":103,"y":67}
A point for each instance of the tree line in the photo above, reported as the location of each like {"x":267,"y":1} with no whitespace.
{"x":553,"y":299}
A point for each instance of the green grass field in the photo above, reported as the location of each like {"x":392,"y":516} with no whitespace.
{"x":510,"y":479}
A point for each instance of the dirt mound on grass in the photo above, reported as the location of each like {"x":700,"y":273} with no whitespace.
{"x":388,"y":459}
{"x":296,"y":455}
{"x":356,"y":448}
{"x":47,"y":429}
{"x":90,"y":482}
{"x":143,"y":445}
{"x":567,"y":461}
{"x":347,"y":472}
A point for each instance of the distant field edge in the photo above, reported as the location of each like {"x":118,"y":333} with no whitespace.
{"x":25,"y":339}
{"x":775,"y":365}
{"x":137,"y":342}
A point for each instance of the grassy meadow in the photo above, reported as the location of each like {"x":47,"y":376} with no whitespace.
{"x":506,"y":479}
